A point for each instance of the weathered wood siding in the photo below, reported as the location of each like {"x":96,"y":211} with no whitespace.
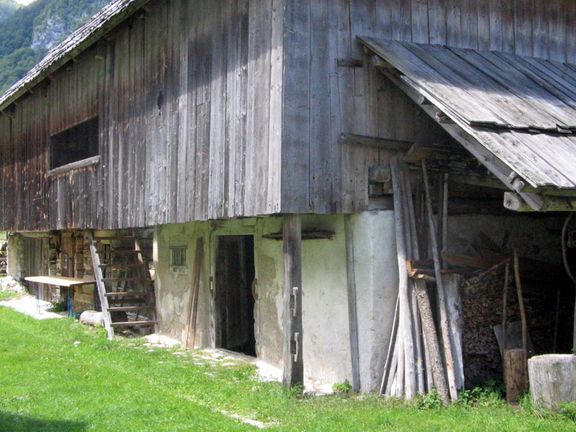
{"x":189,"y":102}
{"x":322,"y":100}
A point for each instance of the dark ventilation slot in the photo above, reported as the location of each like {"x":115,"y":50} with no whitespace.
{"x":78,"y":143}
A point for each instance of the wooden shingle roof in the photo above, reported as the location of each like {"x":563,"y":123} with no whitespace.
{"x":104,"y":21}
{"x":518,"y":111}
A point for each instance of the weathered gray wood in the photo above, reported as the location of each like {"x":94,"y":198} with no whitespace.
{"x":100,"y":285}
{"x":552,"y":380}
{"x":431,"y":337}
{"x":293,"y":374}
{"x":352,"y":304}
{"x":190,"y":326}
{"x":445,"y":325}
{"x":514,"y":202}
{"x":453,"y":308}
{"x":405,"y":312}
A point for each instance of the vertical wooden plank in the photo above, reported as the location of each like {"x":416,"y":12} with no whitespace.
{"x":293,"y":354}
{"x":469,"y":24}
{"x":508,"y":26}
{"x":296,"y":97}
{"x":437,"y":21}
{"x":495,"y":25}
{"x":321,"y":149}
{"x":401,"y":20}
{"x":540,"y":29}
{"x":570,"y":34}
{"x":203,"y":101}
{"x":273,"y":199}
{"x":218,"y":114}
{"x":453,"y":23}
{"x":557,"y":30}
{"x":233,"y":91}
{"x":484,"y":25}
{"x":420,"y":20}
{"x":523,"y":13}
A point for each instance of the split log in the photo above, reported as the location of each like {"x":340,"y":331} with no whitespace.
{"x":515,"y":374}
{"x":431,"y":337}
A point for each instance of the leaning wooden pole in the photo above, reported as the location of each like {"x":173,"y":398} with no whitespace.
{"x":405,"y":328}
{"x":190,"y":327}
{"x":100,"y":286}
{"x":444,"y":321}
{"x":434,"y":366}
{"x":352,"y":307}
{"x":292,"y":249}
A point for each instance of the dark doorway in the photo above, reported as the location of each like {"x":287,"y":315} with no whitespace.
{"x":234,"y":297}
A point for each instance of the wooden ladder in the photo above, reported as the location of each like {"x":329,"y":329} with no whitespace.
{"x":125,"y":288}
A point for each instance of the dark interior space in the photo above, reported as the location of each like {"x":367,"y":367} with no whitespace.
{"x":75,"y":144}
{"x":234,"y":298}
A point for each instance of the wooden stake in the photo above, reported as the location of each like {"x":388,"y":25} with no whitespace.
{"x":444,"y":322}
{"x":292,"y":249}
{"x":190,"y":328}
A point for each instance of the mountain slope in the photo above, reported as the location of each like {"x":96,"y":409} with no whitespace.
{"x":31,"y":31}
{"x":7,"y":8}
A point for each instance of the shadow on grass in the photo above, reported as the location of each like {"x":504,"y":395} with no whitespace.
{"x":17,"y":423}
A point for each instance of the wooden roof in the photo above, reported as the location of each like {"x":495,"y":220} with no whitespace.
{"x":109,"y":17}
{"x":518,"y":111}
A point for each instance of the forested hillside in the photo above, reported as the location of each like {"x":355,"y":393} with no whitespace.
{"x":27,"y":33}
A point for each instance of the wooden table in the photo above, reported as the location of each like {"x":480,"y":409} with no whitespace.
{"x":61,"y":281}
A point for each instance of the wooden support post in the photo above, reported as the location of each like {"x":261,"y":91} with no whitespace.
{"x":444,"y":321}
{"x":292,"y":249}
{"x":352,"y":308}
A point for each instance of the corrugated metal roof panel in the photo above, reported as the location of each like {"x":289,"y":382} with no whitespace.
{"x":523,"y":110}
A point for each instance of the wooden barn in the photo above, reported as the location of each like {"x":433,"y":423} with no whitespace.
{"x":362,"y":190}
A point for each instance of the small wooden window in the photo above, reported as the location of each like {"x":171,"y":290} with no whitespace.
{"x":178,"y":257}
{"x":76,"y":144}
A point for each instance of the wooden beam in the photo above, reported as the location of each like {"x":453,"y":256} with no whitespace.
{"x":292,"y":250}
{"x":516,"y":202}
{"x":352,"y":304}
{"x":376,"y":142}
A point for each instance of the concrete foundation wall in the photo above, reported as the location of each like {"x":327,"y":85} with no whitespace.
{"x":326,"y":347}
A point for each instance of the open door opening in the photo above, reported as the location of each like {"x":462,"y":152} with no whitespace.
{"x":234,"y":297}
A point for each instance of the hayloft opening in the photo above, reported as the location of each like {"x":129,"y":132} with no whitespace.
{"x":75,"y":144}
{"x":234,"y":294}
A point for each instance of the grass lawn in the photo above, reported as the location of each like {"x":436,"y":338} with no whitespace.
{"x":57,"y":375}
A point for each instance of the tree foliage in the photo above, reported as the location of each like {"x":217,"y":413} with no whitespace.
{"x":27,"y":32}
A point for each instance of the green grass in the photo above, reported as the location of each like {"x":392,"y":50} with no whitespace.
{"x":60,"y":376}
{"x":7,"y":295}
